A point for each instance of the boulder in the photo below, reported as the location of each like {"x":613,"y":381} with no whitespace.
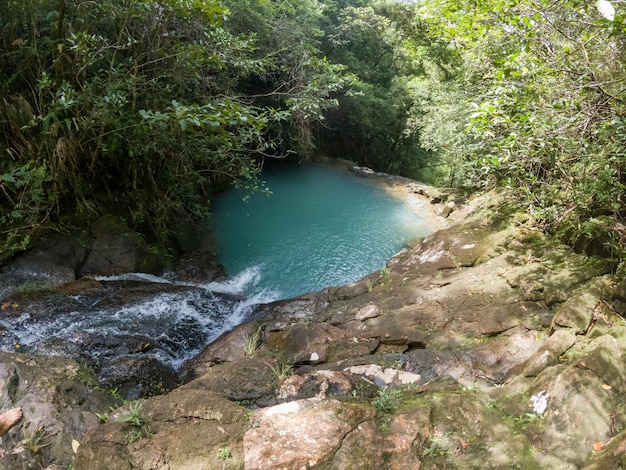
{"x":252,"y":381}
{"x":116,"y":249}
{"x":299,"y":434}
{"x":188,"y":429}
{"x":231,"y":346}
{"x":302,"y":343}
{"x":51,"y":263}
{"x":59,"y":399}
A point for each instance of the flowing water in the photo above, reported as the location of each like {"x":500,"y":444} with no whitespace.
{"x":319,"y":227}
{"x":130,"y":315}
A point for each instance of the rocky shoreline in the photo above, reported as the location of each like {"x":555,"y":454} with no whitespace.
{"x":482,"y":346}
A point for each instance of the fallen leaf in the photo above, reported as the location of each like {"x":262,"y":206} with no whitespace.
{"x":606,"y":387}
{"x":5,"y":305}
{"x":75,"y":445}
{"x":464,"y":445}
{"x":597,"y":446}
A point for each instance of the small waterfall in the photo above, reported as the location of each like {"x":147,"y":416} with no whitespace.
{"x":132,"y":313}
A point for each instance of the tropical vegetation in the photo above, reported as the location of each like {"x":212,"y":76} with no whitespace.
{"x":147,"y":108}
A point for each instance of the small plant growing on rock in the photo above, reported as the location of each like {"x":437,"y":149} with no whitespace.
{"x":36,"y":440}
{"x":252,"y":341}
{"x":132,"y":415}
{"x":438,"y":444}
{"x":134,"y":436}
{"x":224,"y":454}
{"x":386,"y":401}
{"x":281,"y":369}
{"x":385,"y":278}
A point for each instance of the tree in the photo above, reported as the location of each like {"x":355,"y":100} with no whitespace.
{"x":545,"y":80}
{"x":146,"y":108}
{"x":382,"y":46}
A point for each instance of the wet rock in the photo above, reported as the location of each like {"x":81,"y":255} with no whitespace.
{"x":231,"y":346}
{"x":200,"y":268}
{"x":135,"y":377}
{"x":124,"y":330}
{"x":363,"y":171}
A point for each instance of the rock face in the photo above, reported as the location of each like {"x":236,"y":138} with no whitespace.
{"x":483,"y":346}
{"x":117,"y":249}
{"x":59,"y":401}
{"x":109,"y":248}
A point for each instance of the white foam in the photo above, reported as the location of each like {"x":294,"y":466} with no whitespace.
{"x":143,"y":277}
{"x":237,"y":285}
{"x":180,"y":324}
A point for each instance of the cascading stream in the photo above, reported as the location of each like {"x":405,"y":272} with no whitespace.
{"x":320,"y":227}
{"x":131,"y":314}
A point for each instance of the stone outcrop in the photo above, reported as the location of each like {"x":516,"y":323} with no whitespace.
{"x":59,"y":400}
{"x":109,"y":247}
{"x":482,"y":346}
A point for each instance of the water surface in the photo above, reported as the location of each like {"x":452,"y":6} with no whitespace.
{"x":319,"y":227}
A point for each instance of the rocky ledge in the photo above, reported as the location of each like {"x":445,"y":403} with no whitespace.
{"x":483,"y":346}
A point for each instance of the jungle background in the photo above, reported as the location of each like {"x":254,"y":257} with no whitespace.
{"x":147,"y":109}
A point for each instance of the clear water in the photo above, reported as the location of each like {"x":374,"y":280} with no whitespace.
{"x":320,"y":227}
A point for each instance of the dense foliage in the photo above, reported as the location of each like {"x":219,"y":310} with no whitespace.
{"x":147,"y":107}
{"x":541,"y":96}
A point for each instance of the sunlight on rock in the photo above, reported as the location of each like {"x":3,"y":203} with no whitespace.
{"x":540,"y":402}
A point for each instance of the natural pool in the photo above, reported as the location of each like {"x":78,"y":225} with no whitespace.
{"x":320,"y":226}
